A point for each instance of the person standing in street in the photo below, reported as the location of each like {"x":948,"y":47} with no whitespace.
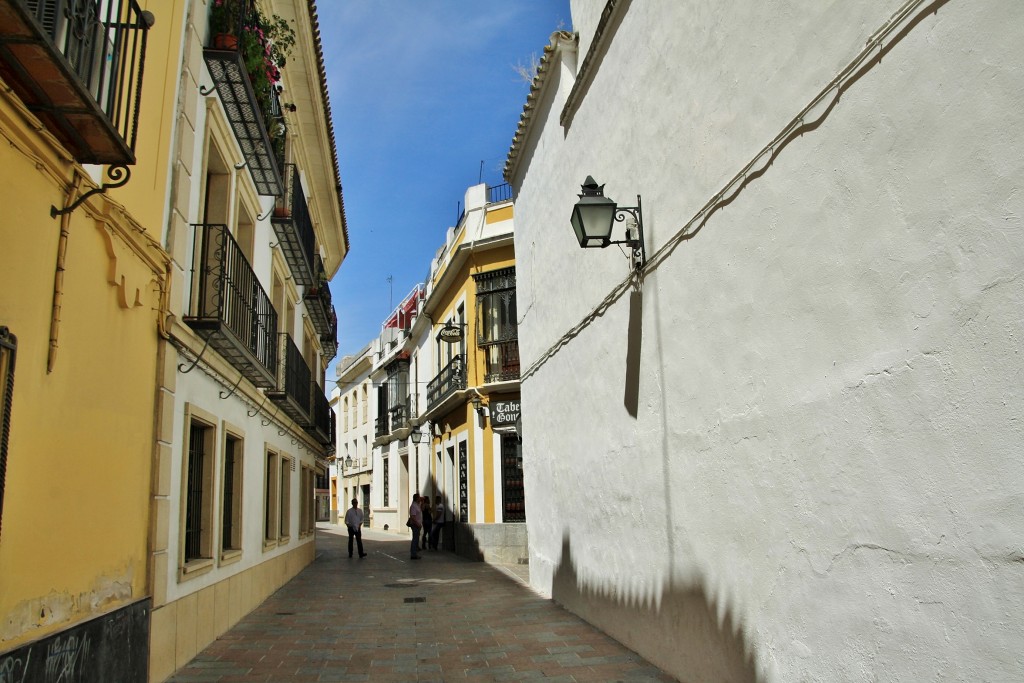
{"x":354,"y":522}
{"x":438,"y":524}
{"x":415,"y":524}
{"x":427,"y":519}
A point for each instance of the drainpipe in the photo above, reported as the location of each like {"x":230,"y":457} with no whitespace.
{"x":58,"y":276}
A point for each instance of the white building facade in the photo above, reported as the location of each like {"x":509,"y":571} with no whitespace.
{"x":352,"y":472}
{"x":787,"y":448}
{"x":255,"y":229}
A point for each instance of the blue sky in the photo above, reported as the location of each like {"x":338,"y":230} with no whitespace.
{"x":421,"y":91}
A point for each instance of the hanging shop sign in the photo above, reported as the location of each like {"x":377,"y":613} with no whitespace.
{"x":450,"y":333}
{"x":504,"y":412}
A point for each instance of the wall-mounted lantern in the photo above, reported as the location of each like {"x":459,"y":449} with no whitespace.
{"x":594,"y":215}
{"x":417,"y":436}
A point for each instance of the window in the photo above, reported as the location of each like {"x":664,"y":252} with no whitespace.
{"x":463,"y":483}
{"x":198,"y":490}
{"x":497,"y":324}
{"x":307,"y":518}
{"x":231,"y":498}
{"x":496,"y":306}
{"x":513,"y":496}
{"x":8,"y":348}
{"x":355,"y":409}
{"x":387,"y":482}
{"x":345,"y":404}
{"x":271,"y":511}
{"x":366,"y":403}
{"x":287,"y":464}
{"x":304,"y":484}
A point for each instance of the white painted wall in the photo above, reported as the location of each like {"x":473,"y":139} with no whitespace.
{"x":823,"y":474}
{"x":201,"y":391}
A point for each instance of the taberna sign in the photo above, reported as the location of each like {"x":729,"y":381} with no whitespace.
{"x":504,"y":412}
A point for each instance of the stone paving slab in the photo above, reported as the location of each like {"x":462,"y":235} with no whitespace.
{"x":387,"y":618}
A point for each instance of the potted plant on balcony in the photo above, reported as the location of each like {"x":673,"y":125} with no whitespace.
{"x":225,"y":23}
{"x":265,"y":44}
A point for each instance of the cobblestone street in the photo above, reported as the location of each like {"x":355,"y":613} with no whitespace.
{"x":386,"y":618}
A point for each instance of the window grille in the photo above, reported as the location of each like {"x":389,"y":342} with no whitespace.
{"x":8,"y":349}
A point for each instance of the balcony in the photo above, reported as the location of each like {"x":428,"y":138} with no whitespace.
{"x":323,"y":419}
{"x":78,"y":67}
{"x":253,"y":108}
{"x":501,"y":362}
{"x":294,"y":228}
{"x":318,"y":303}
{"x":294,"y":390}
{"x":329,"y":341}
{"x":401,"y":415}
{"x":230,"y":308}
{"x":380,"y":425}
{"x":499,"y":193}
{"x":447,"y":382}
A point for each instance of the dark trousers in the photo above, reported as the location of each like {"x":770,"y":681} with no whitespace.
{"x":414,"y":549}
{"x":426,"y":532}
{"x":357,"y":534}
{"x":435,"y":534}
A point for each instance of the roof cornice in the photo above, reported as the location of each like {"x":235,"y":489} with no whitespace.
{"x":559,"y":40}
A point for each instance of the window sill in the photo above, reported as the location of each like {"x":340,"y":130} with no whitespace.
{"x":230,"y":556}
{"x":195,"y":568}
{"x":269,"y":544}
{"x":284,"y":540}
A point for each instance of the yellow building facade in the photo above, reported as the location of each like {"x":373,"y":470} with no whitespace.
{"x":83,"y":282}
{"x":160,"y":441}
{"x":447,"y":391}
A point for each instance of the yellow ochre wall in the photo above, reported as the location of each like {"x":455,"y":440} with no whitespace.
{"x":75,"y":524}
{"x":463,"y":416}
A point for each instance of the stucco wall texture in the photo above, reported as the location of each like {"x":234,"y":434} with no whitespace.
{"x":793,"y":451}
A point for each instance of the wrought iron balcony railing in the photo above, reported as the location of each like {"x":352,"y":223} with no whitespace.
{"x":401,"y":414}
{"x":318,"y":301}
{"x":230,"y":308}
{"x":78,"y":66}
{"x":499,"y":193}
{"x":295,"y":386}
{"x":329,"y":341}
{"x":294,"y":228}
{"x":380,"y":425}
{"x":253,"y":110}
{"x":323,"y":419}
{"x":501,"y":362}
{"x":447,"y":382}
{"x":332,"y":445}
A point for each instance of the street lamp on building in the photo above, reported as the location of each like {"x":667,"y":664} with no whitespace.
{"x":594,"y":215}
{"x":348,"y":462}
{"x":417,"y":436}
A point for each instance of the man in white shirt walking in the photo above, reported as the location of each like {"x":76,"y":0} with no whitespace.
{"x":354,"y":522}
